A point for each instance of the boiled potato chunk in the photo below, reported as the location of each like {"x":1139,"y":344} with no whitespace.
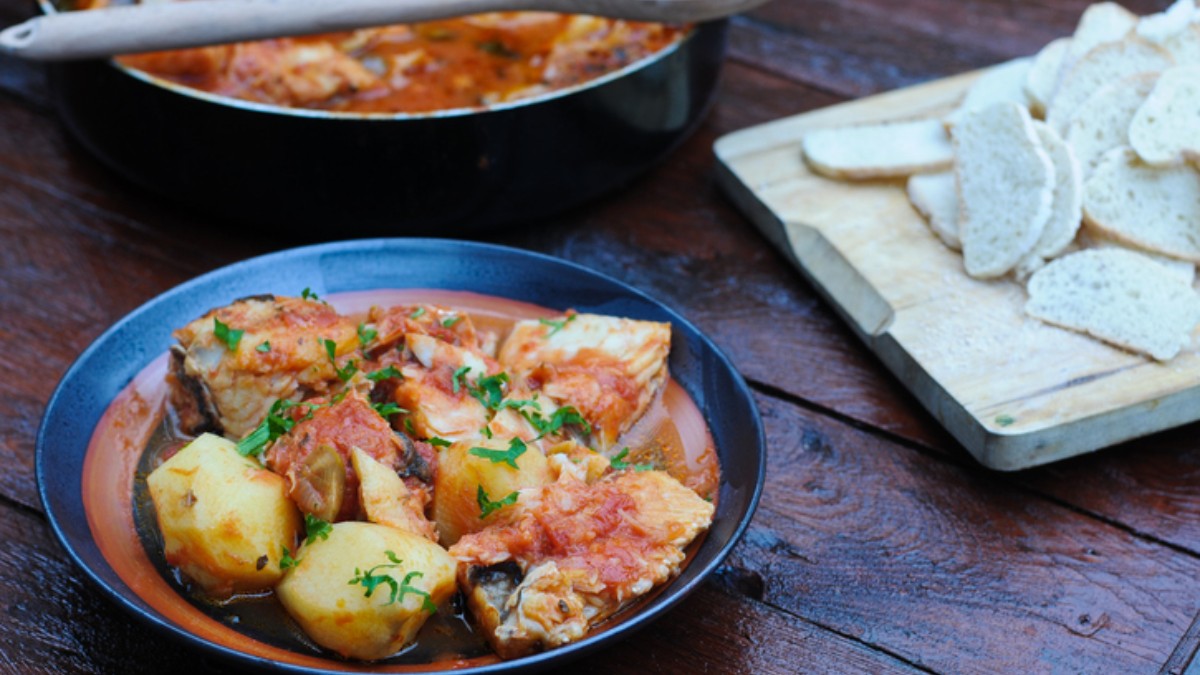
{"x":224,"y":519}
{"x":323,"y":597}
{"x":473,"y":471}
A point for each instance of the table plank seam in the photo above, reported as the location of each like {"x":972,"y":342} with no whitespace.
{"x":1185,"y":652}
{"x":971,"y":466}
{"x":828,"y":629}
{"x":9,"y":502}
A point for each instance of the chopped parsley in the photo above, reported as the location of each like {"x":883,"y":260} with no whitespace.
{"x":230,"y":336}
{"x":274,"y":425}
{"x":516,"y":448}
{"x":618,"y":463}
{"x":286,"y":561}
{"x":562,"y":417}
{"x":386,"y":373}
{"x":449,"y":322}
{"x":315,"y":528}
{"x":1005,"y":420}
{"x":264,"y":347}
{"x":366,"y":335}
{"x":307,"y":294}
{"x":456,"y":378}
{"x":498,"y":48}
{"x":487,"y":507}
{"x":439,"y":442}
{"x":486,"y":432}
{"x":408,"y":426}
{"x":344,"y":373}
{"x":558,"y":325}
{"x":417,"y":313}
{"x":370,"y":581}
{"x":386,"y":410}
{"x":489,"y":391}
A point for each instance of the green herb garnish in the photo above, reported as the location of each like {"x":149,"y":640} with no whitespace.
{"x":286,"y":561}
{"x":450,"y":321}
{"x":386,"y":373}
{"x":315,"y":528}
{"x":417,"y":313}
{"x":307,"y":294}
{"x":1005,"y":420}
{"x":386,"y":410}
{"x":230,"y":336}
{"x":456,"y":378}
{"x":498,"y":48}
{"x":487,"y":507}
{"x":516,"y":448}
{"x":439,"y":442}
{"x":370,"y":581}
{"x":562,"y":417}
{"x":264,"y":347}
{"x":618,"y":463}
{"x":366,"y":335}
{"x":558,"y":325}
{"x":408,"y":426}
{"x":489,"y":391}
{"x":274,"y":425}
{"x":344,"y":373}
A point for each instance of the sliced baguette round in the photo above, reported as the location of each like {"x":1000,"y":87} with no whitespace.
{"x":879,"y":150}
{"x":1106,"y":63}
{"x":1005,"y":187}
{"x":1184,"y":47}
{"x":1184,"y":270}
{"x":1166,"y":129}
{"x":1100,"y":22}
{"x":1118,"y":296}
{"x":1151,"y":208}
{"x":1005,"y":82}
{"x":1043,"y":75}
{"x":1102,"y":122}
{"x":935,"y":196}
{"x":1066,"y":212}
{"x":1161,"y":27}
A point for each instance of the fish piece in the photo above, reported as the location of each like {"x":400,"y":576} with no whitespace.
{"x":608,"y":368}
{"x":437,"y":389}
{"x":445,"y":324}
{"x":228,"y":388}
{"x":572,"y":554}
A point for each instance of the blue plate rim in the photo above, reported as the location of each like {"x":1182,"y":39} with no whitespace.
{"x":668,"y":598}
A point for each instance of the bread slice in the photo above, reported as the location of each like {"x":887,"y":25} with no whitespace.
{"x":1106,"y":63}
{"x":1066,"y":213}
{"x":1043,"y":75}
{"x":1102,"y":122}
{"x":1100,"y":23}
{"x":935,"y":196}
{"x":1005,"y":82}
{"x":1184,"y":270}
{"x":880,"y":150}
{"x":1006,"y":187}
{"x":1150,"y":208}
{"x":1184,"y":47}
{"x":1159,"y":28}
{"x":1166,"y":129}
{"x":1117,"y":296}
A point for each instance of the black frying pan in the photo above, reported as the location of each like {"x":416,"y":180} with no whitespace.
{"x":336,"y":174}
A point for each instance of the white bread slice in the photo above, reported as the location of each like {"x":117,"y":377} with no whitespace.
{"x":1184,"y":270}
{"x":1102,"y":122}
{"x":1166,"y":129}
{"x":1118,"y":296}
{"x":998,"y":157}
{"x":1100,"y":23}
{"x":1106,"y":63}
{"x":1154,"y":209}
{"x":1005,"y":82}
{"x":1066,"y":214}
{"x":1043,"y":75}
{"x":1159,"y":28}
{"x":935,"y":196}
{"x":880,"y":150}
{"x":1184,"y":47}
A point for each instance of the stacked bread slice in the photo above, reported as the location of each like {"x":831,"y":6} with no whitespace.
{"x":1118,"y":153}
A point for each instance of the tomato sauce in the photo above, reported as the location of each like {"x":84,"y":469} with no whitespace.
{"x":138,"y":432}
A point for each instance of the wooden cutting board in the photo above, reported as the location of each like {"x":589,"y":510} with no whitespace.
{"x":1015,"y":392}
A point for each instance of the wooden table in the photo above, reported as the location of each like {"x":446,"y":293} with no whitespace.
{"x":880,"y":545}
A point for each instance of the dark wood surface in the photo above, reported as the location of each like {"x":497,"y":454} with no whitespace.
{"x":880,"y":545}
